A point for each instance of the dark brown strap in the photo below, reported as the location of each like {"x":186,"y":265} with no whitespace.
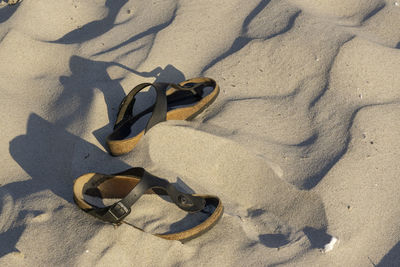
{"x":125,"y":119}
{"x":92,"y":184}
{"x":159,"y":109}
{"x":119,"y":210}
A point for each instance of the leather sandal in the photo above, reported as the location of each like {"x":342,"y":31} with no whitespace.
{"x":182,"y":101}
{"x":129,"y":186}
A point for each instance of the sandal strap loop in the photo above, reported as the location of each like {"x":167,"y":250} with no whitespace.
{"x":126,"y":106}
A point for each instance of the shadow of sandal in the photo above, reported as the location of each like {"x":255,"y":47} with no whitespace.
{"x":86,"y":77}
{"x":143,"y":99}
{"x":89,"y":75}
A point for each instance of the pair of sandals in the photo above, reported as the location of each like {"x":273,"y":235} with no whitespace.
{"x":182,"y":101}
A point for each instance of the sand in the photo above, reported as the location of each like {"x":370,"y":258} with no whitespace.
{"x":301,"y":145}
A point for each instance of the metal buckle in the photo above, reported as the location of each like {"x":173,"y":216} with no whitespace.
{"x":119,"y":211}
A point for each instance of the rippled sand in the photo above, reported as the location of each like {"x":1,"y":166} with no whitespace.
{"x":302,"y":144}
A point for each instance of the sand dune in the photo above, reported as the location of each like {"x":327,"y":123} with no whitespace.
{"x":301,"y":145}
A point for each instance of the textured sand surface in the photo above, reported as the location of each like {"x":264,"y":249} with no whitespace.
{"x":302,"y":145}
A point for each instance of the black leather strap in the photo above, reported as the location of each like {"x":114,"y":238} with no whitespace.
{"x":119,"y":210}
{"x":159,"y":108}
{"x":125,"y":119}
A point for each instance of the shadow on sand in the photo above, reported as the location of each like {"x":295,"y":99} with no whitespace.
{"x":54,"y":157}
{"x":88,"y":76}
{"x":47,"y":154}
{"x":95,"y":28}
{"x":6,"y":12}
{"x":392,"y":258}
